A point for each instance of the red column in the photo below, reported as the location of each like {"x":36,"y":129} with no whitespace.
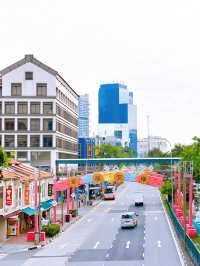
{"x":73,"y":202}
{"x":36,"y":224}
{"x":68,"y":199}
{"x":190,"y":201}
{"x":54,"y":208}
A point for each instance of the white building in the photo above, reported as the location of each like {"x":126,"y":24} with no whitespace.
{"x":151,"y":143}
{"x":83,"y":122}
{"x":38,"y":113}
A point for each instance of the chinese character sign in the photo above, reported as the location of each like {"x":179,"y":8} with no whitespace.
{"x":9,"y":196}
{"x":26,"y":194}
{"x":50,"y":189}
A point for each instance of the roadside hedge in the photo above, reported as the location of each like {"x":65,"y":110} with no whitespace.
{"x":51,"y":229}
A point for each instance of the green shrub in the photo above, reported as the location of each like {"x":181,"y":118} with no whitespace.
{"x":51,"y":229}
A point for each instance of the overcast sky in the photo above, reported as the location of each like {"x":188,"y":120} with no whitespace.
{"x":153,"y":46}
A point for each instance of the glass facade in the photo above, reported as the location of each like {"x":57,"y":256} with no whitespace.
{"x":113,"y":108}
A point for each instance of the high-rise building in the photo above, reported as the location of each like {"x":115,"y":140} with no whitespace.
{"x":38,"y":113}
{"x":117,"y":115}
{"x":83,"y":116}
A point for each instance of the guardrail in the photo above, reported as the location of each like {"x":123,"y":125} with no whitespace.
{"x":190,"y":246}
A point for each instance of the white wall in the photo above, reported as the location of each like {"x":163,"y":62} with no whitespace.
{"x":108,"y":130}
{"x":29,"y":86}
{"x":132,"y":116}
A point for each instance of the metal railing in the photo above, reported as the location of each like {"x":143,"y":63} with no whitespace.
{"x":189,"y":244}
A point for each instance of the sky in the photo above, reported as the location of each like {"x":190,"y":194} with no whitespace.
{"x":152,"y":46}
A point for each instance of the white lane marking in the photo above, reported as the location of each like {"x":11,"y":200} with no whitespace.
{"x":159,"y":243}
{"x":155,"y":218}
{"x":63,"y":246}
{"x":96,"y":245}
{"x":128,"y":244}
{"x":107,"y":255}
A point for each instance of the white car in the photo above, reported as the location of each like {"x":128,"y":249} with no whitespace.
{"x":129,"y":220}
{"x":139,"y":200}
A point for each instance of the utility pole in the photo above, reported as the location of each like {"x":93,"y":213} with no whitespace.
{"x":148,"y":134}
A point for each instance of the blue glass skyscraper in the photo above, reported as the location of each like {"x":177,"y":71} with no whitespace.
{"x":117,"y":115}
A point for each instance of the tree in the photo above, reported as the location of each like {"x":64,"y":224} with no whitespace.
{"x":110,"y":151}
{"x":4,"y":160}
{"x":156,"y":153}
{"x":190,"y":153}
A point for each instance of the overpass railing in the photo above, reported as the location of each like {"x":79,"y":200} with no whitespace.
{"x":189,"y":244}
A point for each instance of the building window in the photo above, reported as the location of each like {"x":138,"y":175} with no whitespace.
{"x":9,"y":141}
{"x":28,"y":75}
{"x":35,"y":141}
{"x":0,"y":91}
{"x":35,"y":108}
{"x":47,"y":124}
{"x":22,"y":155}
{"x":118,"y":134}
{"x":0,"y":140}
{"x":47,"y":141}
{"x":16,"y":89}
{"x":9,"y":124}
{"x":9,"y":108}
{"x":22,"y":124}
{"x":22,"y":140}
{"x":0,"y":107}
{"x":35,"y":124}
{"x":47,"y":108}
{"x":40,"y":156}
{"x":22,"y":108}
{"x":41,"y":89}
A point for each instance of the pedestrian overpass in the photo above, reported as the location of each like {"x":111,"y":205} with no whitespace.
{"x":114,"y":161}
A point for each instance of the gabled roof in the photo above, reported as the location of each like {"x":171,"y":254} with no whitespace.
{"x":29,"y":58}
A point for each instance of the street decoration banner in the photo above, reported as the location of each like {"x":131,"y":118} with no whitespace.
{"x":74,"y":181}
{"x":98,"y":178}
{"x":118,"y":178}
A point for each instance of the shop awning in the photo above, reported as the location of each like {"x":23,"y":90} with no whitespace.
{"x":46,"y":205}
{"x":30,"y":211}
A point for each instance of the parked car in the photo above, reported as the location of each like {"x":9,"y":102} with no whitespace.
{"x":139,"y":200}
{"x":129,"y":220}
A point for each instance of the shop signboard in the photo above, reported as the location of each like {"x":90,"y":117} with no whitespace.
{"x":9,"y":196}
{"x":50,"y":190}
{"x":26,"y":194}
{"x":1,"y":197}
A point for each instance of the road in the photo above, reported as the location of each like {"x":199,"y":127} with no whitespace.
{"x":97,"y":239}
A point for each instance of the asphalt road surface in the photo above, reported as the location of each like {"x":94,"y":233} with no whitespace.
{"x":97,"y":239}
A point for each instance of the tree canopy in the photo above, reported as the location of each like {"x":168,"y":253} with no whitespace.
{"x":4,"y":160}
{"x":109,"y":151}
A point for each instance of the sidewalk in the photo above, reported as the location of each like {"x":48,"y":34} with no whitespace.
{"x":19,"y":243}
